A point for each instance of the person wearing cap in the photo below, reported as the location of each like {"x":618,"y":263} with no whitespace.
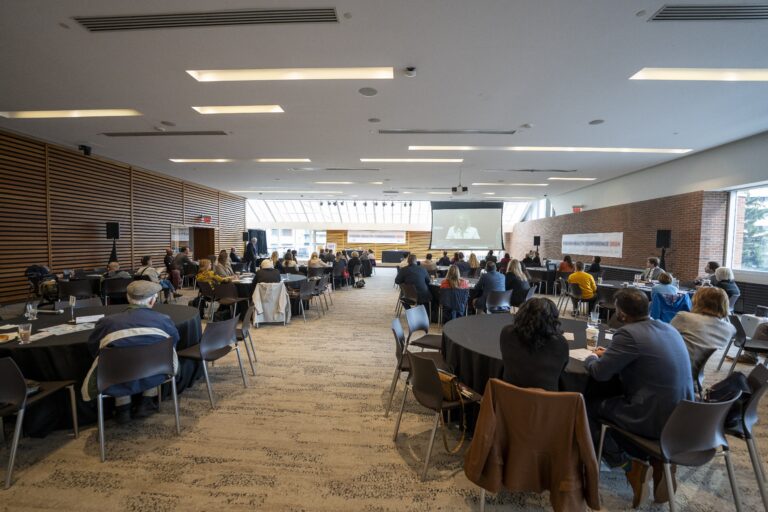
{"x":137,"y":325}
{"x":267,"y":273}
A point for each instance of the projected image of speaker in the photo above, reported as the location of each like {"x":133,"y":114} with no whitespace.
{"x":466,"y":225}
{"x":663,"y":238}
{"x":113,"y":230}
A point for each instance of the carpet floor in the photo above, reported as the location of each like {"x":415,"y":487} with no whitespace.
{"x":308,"y":434}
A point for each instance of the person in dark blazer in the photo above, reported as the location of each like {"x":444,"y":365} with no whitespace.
{"x":517,"y":281}
{"x":233,"y":257}
{"x":491,"y":281}
{"x":267,"y":273}
{"x":533,"y":348}
{"x":250,"y":256}
{"x":464,"y":267}
{"x":595,"y":267}
{"x":445,"y":261}
{"x":417,"y":276}
{"x":650,"y":359}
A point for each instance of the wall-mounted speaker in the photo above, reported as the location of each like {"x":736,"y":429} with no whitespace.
{"x":113,"y":230}
{"x":536,"y":241}
{"x":245,"y":236}
{"x":663,"y":238}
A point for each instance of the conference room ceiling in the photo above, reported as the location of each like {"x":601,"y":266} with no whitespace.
{"x":537,"y":71}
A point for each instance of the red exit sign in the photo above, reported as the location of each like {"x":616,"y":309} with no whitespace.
{"x":205,"y":219}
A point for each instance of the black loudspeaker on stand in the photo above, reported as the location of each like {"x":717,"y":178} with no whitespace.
{"x":113,"y":233}
{"x":537,"y":242}
{"x":663,"y":242}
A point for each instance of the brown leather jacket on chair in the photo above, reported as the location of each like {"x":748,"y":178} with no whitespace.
{"x":534,"y":440}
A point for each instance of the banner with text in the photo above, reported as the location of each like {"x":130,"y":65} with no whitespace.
{"x":594,"y":244}
{"x":376,"y":237}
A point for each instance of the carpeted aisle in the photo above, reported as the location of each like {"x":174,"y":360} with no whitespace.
{"x":308,"y":434}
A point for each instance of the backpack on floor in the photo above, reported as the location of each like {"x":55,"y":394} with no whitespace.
{"x":360,"y":283}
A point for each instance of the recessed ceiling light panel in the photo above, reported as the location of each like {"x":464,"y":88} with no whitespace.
{"x":57,"y":114}
{"x":555,"y":178}
{"x":574,"y":149}
{"x":283,"y":160}
{"x":703,"y":74}
{"x":510,"y":184}
{"x":415,"y":160}
{"x":243,"y":75}
{"x":200,"y":160}
{"x":240,"y":109}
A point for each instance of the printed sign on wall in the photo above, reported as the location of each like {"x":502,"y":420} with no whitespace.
{"x":594,"y":244}
{"x":376,"y":237}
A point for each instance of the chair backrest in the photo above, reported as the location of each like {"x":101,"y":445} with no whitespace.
{"x":531,"y":293}
{"x":455,"y":299}
{"x":758,"y":383}
{"x":206,"y":288}
{"x":13,"y":388}
{"x":247,"y":320}
{"x":217,"y":335}
{"x":761,"y":311}
{"x":574,"y":289}
{"x":116,"y":286}
{"x":605,"y":294}
{"x":226,"y":291}
{"x":694,"y":431}
{"x":741,"y":334}
{"x":425,"y":382}
{"x":315,"y":271}
{"x":698,"y":363}
{"x":141,"y":277}
{"x":292,"y":270}
{"x":82,"y":289}
{"x":91,"y":302}
{"x":563,"y":285}
{"x":306,"y":287}
{"x":118,"y":365}
{"x":397,"y":332}
{"x":408,"y":292}
{"x":498,"y":300}
{"x":417,"y":320}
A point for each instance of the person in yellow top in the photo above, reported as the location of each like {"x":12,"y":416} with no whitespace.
{"x":587,"y":285}
{"x":206,"y":275}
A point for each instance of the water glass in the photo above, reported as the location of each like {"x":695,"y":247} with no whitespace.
{"x":600,"y":280}
{"x":32,"y":312}
{"x":594,"y":317}
{"x":25,"y":331}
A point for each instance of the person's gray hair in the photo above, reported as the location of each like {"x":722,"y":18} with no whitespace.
{"x":724,"y":274}
{"x":141,"y":302}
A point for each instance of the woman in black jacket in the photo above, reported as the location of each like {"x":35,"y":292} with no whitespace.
{"x":516,"y":280}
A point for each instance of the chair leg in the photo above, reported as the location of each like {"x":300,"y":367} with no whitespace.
{"x":250,"y":358}
{"x":14,"y":447}
{"x":736,"y":359}
{"x":240,"y":363}
{"x":253,"y":349}
{"x":73,"y":406}
{"x":756,"y":466}
{"x":301,"y":308}
{"x":431,"y":444}
{"x":482,"y":500}
{"x":175,"y":405}
{"x":208,"y":383}
{"x":400,"y":415}
{"x":670,"y":486}
{"x":732,"y":478}
{"x":392,"y":388}
{"x":725,"y":353}
{"x":100,"y":411}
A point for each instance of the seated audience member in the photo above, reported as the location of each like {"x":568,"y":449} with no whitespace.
{"x":665,"y":286}
{"x":503,"y":263}
{"x":490,"y":257}
{"x":594,"y":267}
{"x":223,"y":267}
{"x":418,"y":277}
{"x":138,"y":325}
{"x":531,"y":260}
{"x":651,"y":361}
{"x":288,"y":262}
{"x":114,"y":272}
{"x":146,"y":269}
{"x":652,"y":270}
{"x":168,"y":259}
{"x":183,"y":259}
{"x":276,"y":263}
{"x":233,"y":257}
{"x":428,"y":264}
{"x":491,"y":281}
{"x":205,"y":274}
{"x":706,"y":325}
{"x":455,"y":258}
{"x":474,"y":266}
{"x":363,"y":255}
{"x":709,"y":273}
{"x":315,"y":262}
{"x":267,"y":273}
{"x":464,"y":268}
{"x":726,"y":281}
{"x":566,"y":265}
{"x":587,"y":286}
{"x":533,"y":348}
{"x":341,"y":255}
{"x":403,"y":262}
{"x":354,"y":261}
{"x":517,"y":281}
{"x":445,"y":261}
{"x":453,"y":279}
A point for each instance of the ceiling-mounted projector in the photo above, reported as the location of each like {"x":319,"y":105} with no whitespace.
{"x":459,"y":191}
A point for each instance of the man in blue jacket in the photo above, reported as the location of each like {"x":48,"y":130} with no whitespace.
{"x":651,"y":361}
{"x":491,"y":281}
{"x":417,"y":276}
{"x":137,"y":325}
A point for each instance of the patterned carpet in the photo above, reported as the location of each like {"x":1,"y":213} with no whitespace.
{"x":309,"y":434}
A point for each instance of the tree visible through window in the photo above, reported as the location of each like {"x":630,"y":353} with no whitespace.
{"x":750,"y":243}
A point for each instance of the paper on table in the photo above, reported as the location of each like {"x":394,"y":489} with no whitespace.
{"x":568,"y":336}
{"x":39,"y":335}
{"x":609,"y":336}
{"x":57,"y":330}
{"x":580,"y":353}
{"x":8,"y":326}
{"x":88,"y":319}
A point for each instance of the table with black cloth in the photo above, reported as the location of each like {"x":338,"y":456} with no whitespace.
{"x":66,"y":357}
{"x":393,"y":256}
{"x":618,"y":285}
{"x":472,"y":349}
{"x":245,"y":287}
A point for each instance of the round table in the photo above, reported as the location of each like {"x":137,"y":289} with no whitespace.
{"x":471,"y":347}
{"x":66,"y":357}
{"x":607,"y":283}
{"x":246,"y":285}
{"x":434,"y":289}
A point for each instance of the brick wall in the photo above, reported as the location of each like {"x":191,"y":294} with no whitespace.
{"x":697,"y":221}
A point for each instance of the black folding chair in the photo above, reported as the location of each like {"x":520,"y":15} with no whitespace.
{"x":743,"y":342}
{"x":115,"y":290}
{"x":244,"y":334}
{"x":418,"y":321}
{"x":498,"y":302}
{"x":81,"y":288}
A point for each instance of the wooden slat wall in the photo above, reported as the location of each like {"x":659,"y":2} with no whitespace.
{"x":49,"y":189}
{"x":416,"y":241}
{"x":23,"y":221}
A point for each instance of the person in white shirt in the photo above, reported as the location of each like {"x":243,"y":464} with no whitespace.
{"x":462,"y":230}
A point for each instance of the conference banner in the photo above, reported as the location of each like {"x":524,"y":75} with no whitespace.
{"x":594,"y":244}
{"x":376,"y":237}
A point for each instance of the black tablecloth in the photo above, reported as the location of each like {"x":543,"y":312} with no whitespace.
{"x":645,"y":288}
{"x":66,"y":357}
{"x":393,"y":256}
{"x":471,"y":347}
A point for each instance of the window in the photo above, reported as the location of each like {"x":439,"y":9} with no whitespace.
{"x":749,"y":229}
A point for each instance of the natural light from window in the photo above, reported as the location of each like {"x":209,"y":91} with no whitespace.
{"x":749,"y":230}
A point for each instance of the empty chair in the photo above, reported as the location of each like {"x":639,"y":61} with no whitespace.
{"x":244,"y":334}
{"x":698,"y":363}
{"x":114,"y":290}
{"x":91,"y":302}
{"x":605,"y":300}
{"x":315,"y":272}
{"x":418,"y":321}
{"x":217,"y":341}
{"x":226,"y":295}
{"x":318,"y":291}
{"x":409,"y":297}
{"x":743,"y":342}
{"x":15,"y":398}
{"x":304,"y":293}
{"x":498,"y":302}
{"x":190,"y":275}
{"x":565,"y":296}
{"x":692,"y":436}
{"x":81,"y":288}
{"x":453,"y":303}
{"x":118,"y":365}
{"x":758,"y":384}
{"x":428,"y":391}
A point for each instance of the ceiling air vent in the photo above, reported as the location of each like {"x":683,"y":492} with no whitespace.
{"x":408,"y":131}
{"x":529,"y":170}
{"x":725,"y":12}
{"x":162,"y":134}
{"x":390,"y":192}
{"x":207,"y":19}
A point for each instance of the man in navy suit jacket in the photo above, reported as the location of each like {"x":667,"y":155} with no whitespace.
{"x":418,"y":277}
{"x":491,"y":281}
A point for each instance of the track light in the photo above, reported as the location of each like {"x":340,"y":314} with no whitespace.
{"x":365,"y":204}
{"x":393,"y":204}
{"x":354,"y":203}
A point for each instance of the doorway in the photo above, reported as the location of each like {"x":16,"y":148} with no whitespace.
{"x":203,"y":242}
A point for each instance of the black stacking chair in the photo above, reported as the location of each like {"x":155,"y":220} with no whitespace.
{"x":417,"y":320}
{"x":453,"y":301}
{"x":403,"y":364}
{"x":408,"y":297}
{"x":692,"y":436}
{"x":115,"y":290}
{"x":605,"y":300}
{"x":304,"y":293}
{"x":207,"y":294}
{"x":498,"y":302}
{"x":697,"y":369}
{"x":318,"y":292}
{"x":743,"y":342}
{"x":15,"y":397}
{"x":314,"y":272}
{"x":226,"y":295}
{"x":190,"y":275}
{"x":91,"y":302}
{"x":118,"y":365}
{"x":428,"y":391}
{"x":758,"y":384}
{"x":218,"y":340}
{"x":81,"y":288}
{"x":243,"y":334}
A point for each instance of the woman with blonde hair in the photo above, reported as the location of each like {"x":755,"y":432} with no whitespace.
{"x":206,"y":275}
{"x":453,"y":279}
{"x":223,"y":267}
{"x":517,"y":281}
{"x":474,"y":266}
{"x":316,"y":262}
{"x":707,"y":325}
{"x":276,"y":262}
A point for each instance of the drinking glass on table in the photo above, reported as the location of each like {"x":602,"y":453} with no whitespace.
{"x":25,"y":331}
{"x":594,"y":317}
{"x":31,"y":311}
